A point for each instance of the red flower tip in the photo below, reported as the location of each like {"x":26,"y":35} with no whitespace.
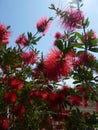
{"x":4,"y":34}
{"x":72,"y":19}
{"x":10,"y":97}
{"x":57,"y":35}
{"x":4,"y":123}
{"x":16,"y":83}
{"x":75,"y":100}
{"x":19,"y":110}
{"x":22,"y":40}
{"x":29,"y":57}
{"x":56,"y":66}
{"x":90,"y":35}
{"x":43,"y":25}
{"x":85,"y":59}
{"x":65,"y":89}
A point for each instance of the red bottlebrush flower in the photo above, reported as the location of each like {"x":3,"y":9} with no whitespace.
{"x":49,"y":121}
{"x":90,"y":35}
{"x":16,"y":83}
{"x":19,"y":110}
{"x":37,"y":93}
{"x":43,"y":25}
{"x":85,"y":59}
{"x":68,"y":64}
{"x":52,"y":65}
{"x":85,"y":104}
{"x":52,"y":98}
{"x":57,"y":35}
{"x":4,"y":123}
{"x":29,"y":57}
{"x":86,"y":114}
{"x":44,"y":95}
{"x":72,"y":19}
{"x":55,"y":66}
{"x":31,"y":101}
{"x":4,"y":35}
{"x":75,"y":100}
{"x":80,"y":89}
{"x":65,"y":112}
{"x":83,"y":92}
{"x":65,"y":90}
{"x":4,"y":80}
{"x":56,"y":98}
{"x":10,"y":97}
{"x":60,"y":127}
{"x":54,"y":43}
{"x":22,"y":40}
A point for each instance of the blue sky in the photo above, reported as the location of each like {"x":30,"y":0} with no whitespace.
{"x":22,"y":15}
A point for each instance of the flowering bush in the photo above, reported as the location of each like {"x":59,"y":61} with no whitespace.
{"x":34,"y":94}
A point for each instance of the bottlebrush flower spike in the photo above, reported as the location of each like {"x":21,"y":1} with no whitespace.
{"x":90,"y":35}
{"x":4,"y":34}
{"x":56,"y":66}
{"x":22,"y":40}
{"x":4,"y":123}
{"x":56,"y":98}
{"x":29,"y":57}
{"x":16,"y":83}
{"x":10,"y":97}
{"x":72,"y":19}
{"x":57,"y":35}
{"x":19,"y":110}
{"x":85,"y":59}
{"x":75,"y":100}
{"x":43,"y":25}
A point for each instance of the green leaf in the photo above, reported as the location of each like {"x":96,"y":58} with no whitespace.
{"x":90,"y":33}
{"x":78,"y":45}
{"x":79,"y":35}
{"x":80,"y":52}
{"x":59,"y":44}
{"x":81,"y":5}
{"x":37,"y":39}
{"x":29,"y":34}
{"x":52,"y":6}
{"x":94,"y":50}
{"x":3,"y":47}
{"x":86,"y":22}
{"x":76,"y":82}
{"x":93,"y":43}
{"x":8,"y":27}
